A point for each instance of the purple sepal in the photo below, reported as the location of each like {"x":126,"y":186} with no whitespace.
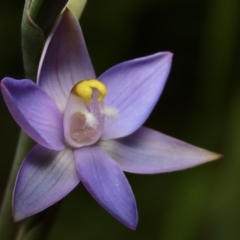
{"x":134,"y":88}
{"x":65,"y":60}
{"x":45,"y":177}
{"x":147,"y":151}
{"x":106,"y":182}
{"x":34,"y":111}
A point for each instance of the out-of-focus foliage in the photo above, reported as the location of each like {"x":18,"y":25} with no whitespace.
{"x":200,"y":104}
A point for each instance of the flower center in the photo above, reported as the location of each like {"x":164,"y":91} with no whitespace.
{"x":85,"y":112}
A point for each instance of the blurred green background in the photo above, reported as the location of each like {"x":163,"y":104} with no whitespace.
{"x":200,"y":105}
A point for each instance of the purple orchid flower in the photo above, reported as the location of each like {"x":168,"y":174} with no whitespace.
{"x":90,"y":130}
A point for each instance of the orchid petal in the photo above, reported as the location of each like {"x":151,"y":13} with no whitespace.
{"x":106,"y":182}
{"x":148,"y":151}
{"x":65,"y":60}
{"x":45,"y":177}
{"x":134,"y":88}
{"x":34,"y":111}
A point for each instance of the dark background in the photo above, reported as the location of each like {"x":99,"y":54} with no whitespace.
{"x":200,"y":105}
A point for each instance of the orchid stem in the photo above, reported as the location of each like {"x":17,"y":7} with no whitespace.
{"x":7,"y":227}
{"x":38,"y":226}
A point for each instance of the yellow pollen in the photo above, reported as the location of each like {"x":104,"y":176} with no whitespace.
{"x":84,"y":89}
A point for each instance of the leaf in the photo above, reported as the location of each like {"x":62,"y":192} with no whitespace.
{"x":38,"y":18}
{"x":32,"y":43}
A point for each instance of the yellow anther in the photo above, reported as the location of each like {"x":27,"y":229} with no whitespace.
{"x":93,"y":83}
{"x":84,"y":89}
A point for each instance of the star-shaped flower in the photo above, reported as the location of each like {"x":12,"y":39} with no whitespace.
{"x":90,"y":130}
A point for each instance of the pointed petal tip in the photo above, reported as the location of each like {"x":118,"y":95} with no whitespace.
{"x":130,"y":223}
{"x":2,"y":85}
{"x":134,"y":225}
{"x":169,"y":54}
{"x":208,"y":156}
{"x":214,"y":156}
{"x":16,"y":214}
{"x":134,"y":228}
{"x":17,"y":218}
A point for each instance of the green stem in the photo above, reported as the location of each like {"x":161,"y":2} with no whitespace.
{"x":35,"y":7}
{"x":7,"y":227}
{"x":38,"y":226}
